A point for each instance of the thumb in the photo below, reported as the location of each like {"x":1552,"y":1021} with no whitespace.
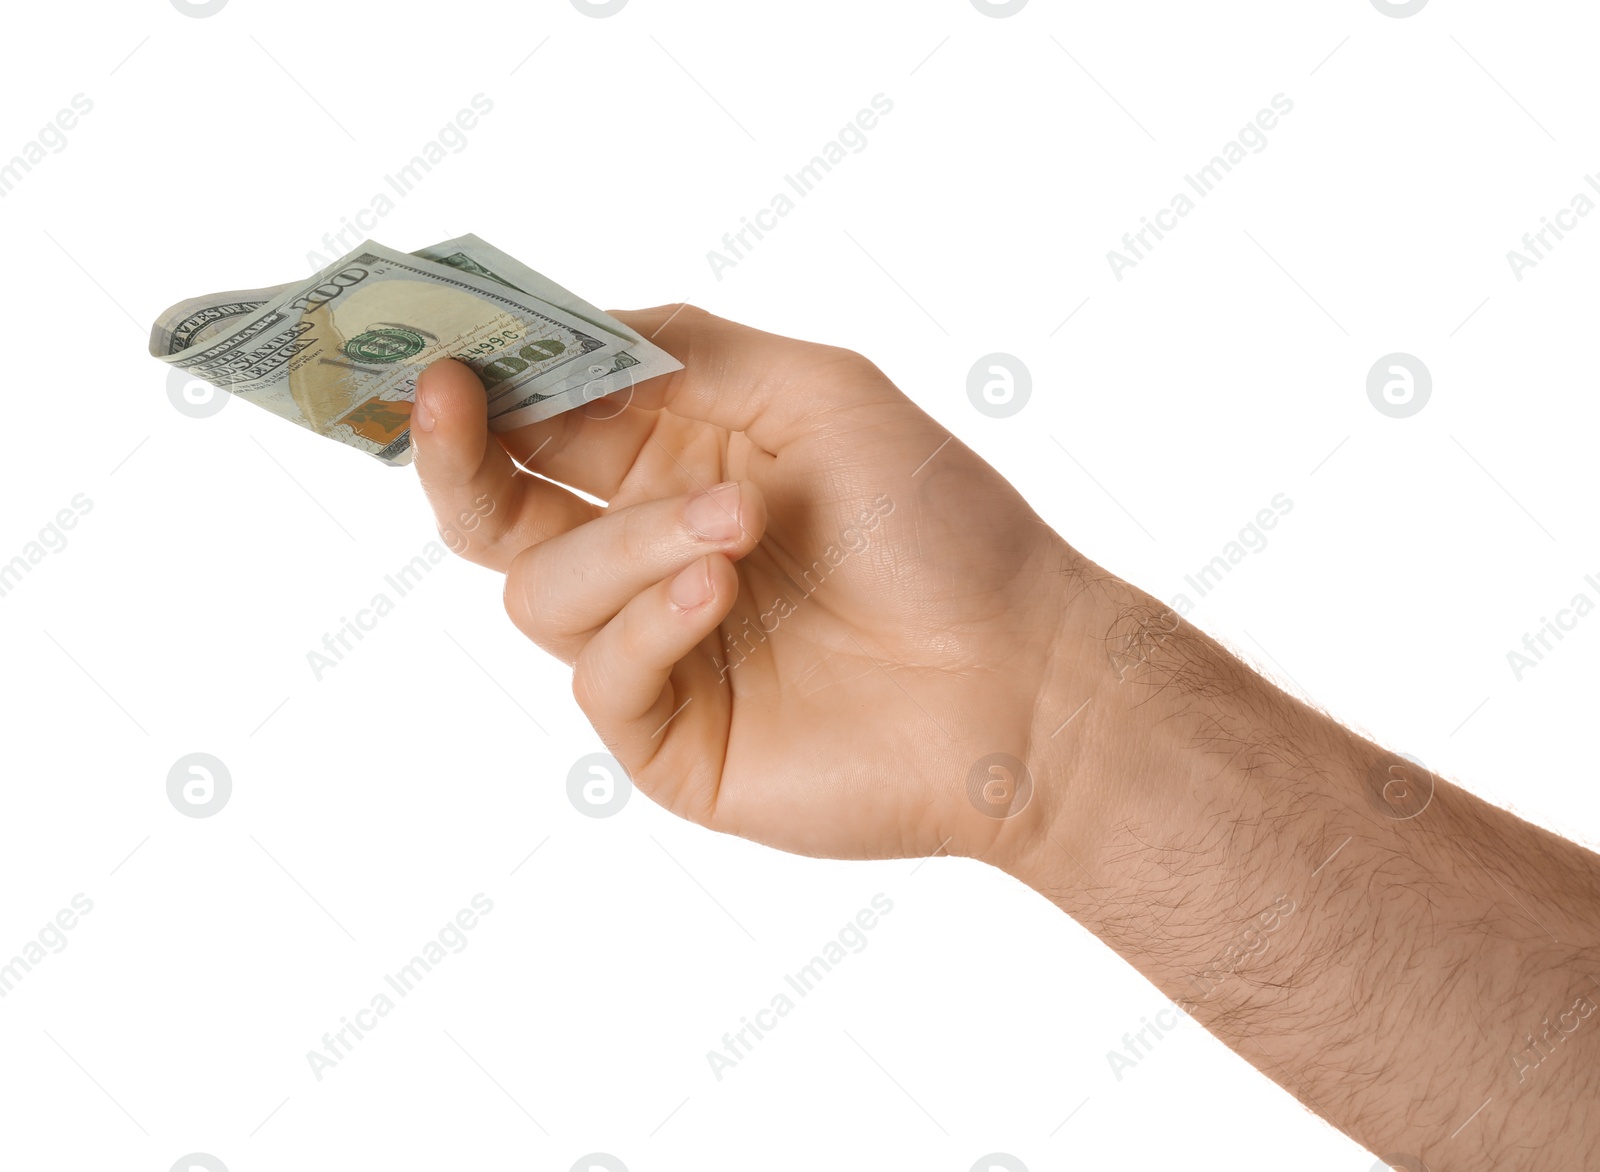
{"x":450,"y":427}
{"x":459,"y":463}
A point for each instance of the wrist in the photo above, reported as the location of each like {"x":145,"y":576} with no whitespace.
{"x":1086,"y":783}
{"x":1156,"y":751}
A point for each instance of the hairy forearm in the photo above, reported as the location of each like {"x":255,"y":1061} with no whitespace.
{"x":1417,"y":966}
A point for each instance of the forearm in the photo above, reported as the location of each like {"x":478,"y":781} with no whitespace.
{"x":1414,"y":964}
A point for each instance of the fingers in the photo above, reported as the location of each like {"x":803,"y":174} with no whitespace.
{"x":775,"y":389}
{"x":562,"y":590}
{"x":486,"y":510}
{"x":629,"y":680}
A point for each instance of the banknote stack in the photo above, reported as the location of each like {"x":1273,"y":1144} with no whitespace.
{"x":339,"y":352}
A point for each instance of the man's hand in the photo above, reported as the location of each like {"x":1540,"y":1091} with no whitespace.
{"x":807,"y":612}
{"x":856,"y":647}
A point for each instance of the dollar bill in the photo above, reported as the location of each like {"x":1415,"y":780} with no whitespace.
{"x":339,"y":352}
{"x":640,"y":361}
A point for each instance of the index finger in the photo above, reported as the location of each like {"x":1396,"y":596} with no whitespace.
{"x":774,"y":389}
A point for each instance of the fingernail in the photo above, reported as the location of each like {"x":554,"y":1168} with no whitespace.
{"x":714,"y":514}
{"x":421,"y":413}
{"x":692,"y":587}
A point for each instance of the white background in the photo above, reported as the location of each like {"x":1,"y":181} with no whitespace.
{"x":367,"y":808}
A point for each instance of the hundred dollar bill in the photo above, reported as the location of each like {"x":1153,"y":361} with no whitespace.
{"x":601,"y":376}
{"x":339,"y":352}
{"x":606,"y":377}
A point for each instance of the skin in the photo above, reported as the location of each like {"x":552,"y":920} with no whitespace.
{"x":869,"y":646}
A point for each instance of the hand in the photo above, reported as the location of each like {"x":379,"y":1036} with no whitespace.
{"x":822,"y":657}
{"x":806,"y":613}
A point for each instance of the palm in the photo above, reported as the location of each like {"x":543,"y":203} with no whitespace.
{"x":884,"y":630}
{"x":889,"y":631}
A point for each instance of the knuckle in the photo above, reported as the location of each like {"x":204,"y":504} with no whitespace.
{"x":632,"y":636}
{"x":521,"y":588}
{"x":515,"y":602}
{"x":638,"y":533}
{"x":475,"y":531}
{"x":452,"y":539}
{"x":852,"y":362}
{"x":583,"y":691}
{"x":477,"y":552}
{"x":592,"y":688}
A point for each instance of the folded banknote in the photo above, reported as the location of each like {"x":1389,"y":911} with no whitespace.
{"x":339,"y":352}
